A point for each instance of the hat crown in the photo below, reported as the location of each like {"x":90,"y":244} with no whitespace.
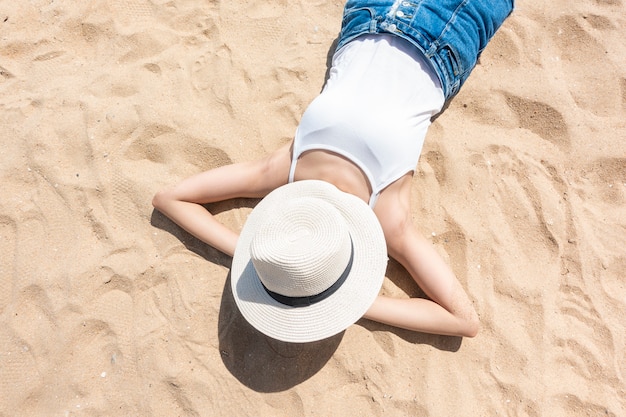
{"x":302,"y":249}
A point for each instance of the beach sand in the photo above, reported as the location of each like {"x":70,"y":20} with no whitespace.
{"x":109,"y":309}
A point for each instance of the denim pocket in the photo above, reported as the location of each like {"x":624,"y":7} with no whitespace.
{"x":451,"y":68}
{"x":451,"y":57}
{"x":356,"y":21}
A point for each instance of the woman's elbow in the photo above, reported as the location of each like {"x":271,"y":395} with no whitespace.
{"x":471,"y":325}
{"x":161,"y":199}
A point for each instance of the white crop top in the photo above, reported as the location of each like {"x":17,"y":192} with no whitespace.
{"x":374,"y":110}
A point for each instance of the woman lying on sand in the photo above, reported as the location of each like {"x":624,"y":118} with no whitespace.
{"x":311,"y":257}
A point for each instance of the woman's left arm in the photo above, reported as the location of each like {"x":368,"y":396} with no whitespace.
{"x":448,"y":310}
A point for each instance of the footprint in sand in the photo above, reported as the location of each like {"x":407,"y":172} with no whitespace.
{"x":586,"y":63}
{"x":541,"y":119}
{"x":153,"y":143}
{"x":34,"y":320}
{"x":139,"y":46}
{"x":435,"y":160}
{"x":207,"y":74}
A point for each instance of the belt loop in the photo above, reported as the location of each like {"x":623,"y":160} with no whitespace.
{"x":432,"y":50}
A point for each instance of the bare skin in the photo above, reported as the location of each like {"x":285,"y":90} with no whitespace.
{"x":448,"y":311}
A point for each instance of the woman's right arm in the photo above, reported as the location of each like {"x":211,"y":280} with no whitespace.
{"x":183,"y":203}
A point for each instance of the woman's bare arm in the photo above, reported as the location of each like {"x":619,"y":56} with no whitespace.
{"x":183,"y":203}
{"x":449,"y":310}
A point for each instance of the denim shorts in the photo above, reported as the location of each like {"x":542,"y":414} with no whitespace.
{"x":450,"y":33}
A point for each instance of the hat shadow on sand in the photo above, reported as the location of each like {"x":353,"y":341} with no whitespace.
{"x":268,"y":365}
{"x":260,"y":362}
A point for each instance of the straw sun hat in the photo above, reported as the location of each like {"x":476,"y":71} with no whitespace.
{"x":309,"y":262}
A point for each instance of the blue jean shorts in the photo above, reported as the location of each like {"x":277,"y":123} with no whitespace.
{"x":450,"y":33}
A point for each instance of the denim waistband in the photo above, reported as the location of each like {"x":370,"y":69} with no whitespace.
{"x":450,"y":33}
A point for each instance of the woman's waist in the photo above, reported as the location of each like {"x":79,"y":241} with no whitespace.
{"x":325,"y":165}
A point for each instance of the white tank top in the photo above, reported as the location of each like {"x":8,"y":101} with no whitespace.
{"x":374,"y":110}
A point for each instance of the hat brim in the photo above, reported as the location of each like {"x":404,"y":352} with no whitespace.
{"x":344,"y":307}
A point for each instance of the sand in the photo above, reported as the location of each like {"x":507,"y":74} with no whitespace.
{"x":109,"y":309}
